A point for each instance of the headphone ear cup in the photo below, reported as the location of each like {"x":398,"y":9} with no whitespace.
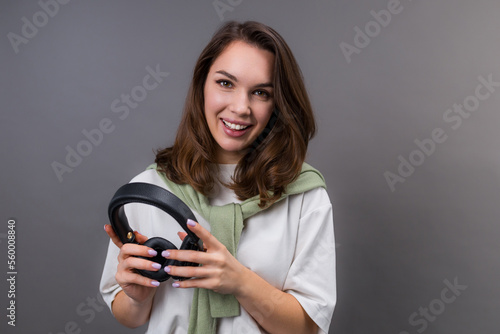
{"x":159,"y":245}
{"x":187,"y":244}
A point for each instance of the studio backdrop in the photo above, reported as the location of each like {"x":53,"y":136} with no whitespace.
{"x":406,"y":96}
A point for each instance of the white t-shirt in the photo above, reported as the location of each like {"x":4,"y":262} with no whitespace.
{"x":290,"y":245}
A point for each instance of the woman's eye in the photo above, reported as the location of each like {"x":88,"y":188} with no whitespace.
{"x":261,"y":93}
{"x":225,"y":83}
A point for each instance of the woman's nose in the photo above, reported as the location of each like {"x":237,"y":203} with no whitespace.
{"x":240,"y":103}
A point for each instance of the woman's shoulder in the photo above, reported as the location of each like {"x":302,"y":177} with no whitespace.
{"x":149,"y":176}
{"x":315,"y":199}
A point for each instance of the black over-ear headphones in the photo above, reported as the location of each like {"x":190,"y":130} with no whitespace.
{"x":163,"y":199}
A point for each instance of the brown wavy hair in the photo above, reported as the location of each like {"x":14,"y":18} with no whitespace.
{"x":276,"y":158}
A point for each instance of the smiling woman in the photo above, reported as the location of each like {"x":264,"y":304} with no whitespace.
{"x":263,"y":214}
{"x":277,"y":85}
{"x":238,"y":99}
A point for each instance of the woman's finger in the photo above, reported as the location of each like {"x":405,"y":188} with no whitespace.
{"x":111,"y":233}
{"x":189,"y":256}
{"x":127,"y":277}
{"x":128,"y":250}
{"x":140,"y":238}
{"x":116,"y":240}
{"x":205,"y":283}
{"x":182,"y":235}
{"x":187,"y":271}
{"x":133,"y":262}
{"x":209,"y":241}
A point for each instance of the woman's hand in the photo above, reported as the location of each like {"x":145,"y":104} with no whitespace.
{"x":138,"y":288}
{"x":220,"y":271}
{"x":274,"y":310}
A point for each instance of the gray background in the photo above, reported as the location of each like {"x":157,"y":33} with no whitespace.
{"x":395,"y":249}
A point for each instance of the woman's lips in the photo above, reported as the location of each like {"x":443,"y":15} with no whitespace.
{"x":235,"y":129}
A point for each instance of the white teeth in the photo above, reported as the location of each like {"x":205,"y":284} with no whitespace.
{"x":234,"y":126}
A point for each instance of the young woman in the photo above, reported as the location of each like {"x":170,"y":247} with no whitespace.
{"x":242,"y":139}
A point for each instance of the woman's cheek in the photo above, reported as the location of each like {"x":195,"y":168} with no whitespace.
{"x":219,"y":101}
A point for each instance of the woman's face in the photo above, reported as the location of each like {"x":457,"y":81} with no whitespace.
{"x":238,"y":98}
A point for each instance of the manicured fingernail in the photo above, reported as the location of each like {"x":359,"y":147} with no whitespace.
{"x":155,"y":283}
{"x":165,"y":253}
{"x":105,"y":227}
{"x":176,"y":285}
{"x":156,"y":265}
{"x":191,"y":222}
{"x":152,"y":252}
{"x":167,"y":269}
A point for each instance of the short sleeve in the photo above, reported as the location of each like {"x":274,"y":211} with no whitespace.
{"x":108,"y":287}
{"x":311,"y":278}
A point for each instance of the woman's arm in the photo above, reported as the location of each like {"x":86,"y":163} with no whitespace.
{"x":130,"y":313}
{"x":276,"y":311}
{"x":132,"y":306}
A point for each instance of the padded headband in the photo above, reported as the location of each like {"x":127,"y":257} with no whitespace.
{"x":151,"y":194}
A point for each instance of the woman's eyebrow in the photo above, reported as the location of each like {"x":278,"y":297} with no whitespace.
{"x":232,"y":77}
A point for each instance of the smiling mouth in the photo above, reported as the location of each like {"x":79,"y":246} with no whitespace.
{"x":234,"y":127}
